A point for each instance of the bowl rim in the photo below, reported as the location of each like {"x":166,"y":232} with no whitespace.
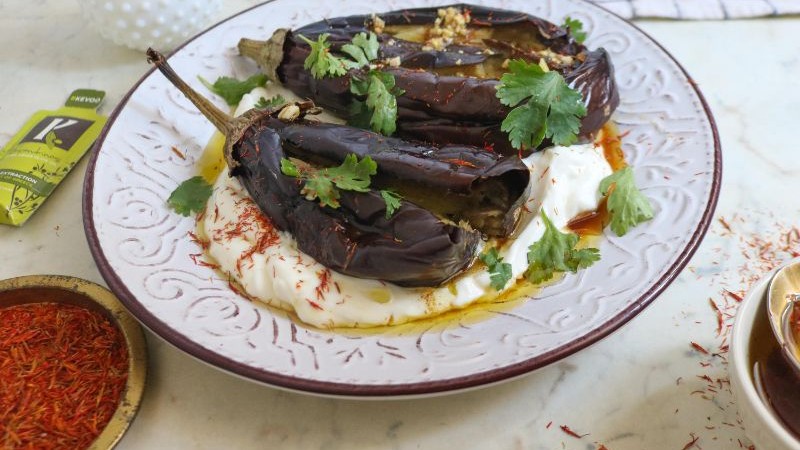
{"x":750,"y":307}
{"x":132,"y":334}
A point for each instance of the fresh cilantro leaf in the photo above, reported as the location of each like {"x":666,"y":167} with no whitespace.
{"x":499,"y":271}
{"x":324,"y":184}
{"x":363,"y":49}
{"x":320,"y":62}
{"x":516,"y":86}
{"x":359,"y":115}
{"x":264,"y":103}
{"x":626,"y":204}
{"x":369,"y":43}
{"x":359,"y":85}
{"x":322,"y":188}
{"x":555,"y":252}
{"x":316,"y":184}
{"x":382,"y":100}
{"x":379,"y":111}
{"x":352,"y":174}
{"x":392,"y":200}
{"x":380,"y":106}
{"x":575,"y":28}
{"x":190,"y":196}
{"x":231,"y":89}
{"x":552,"y":109}
{"x":289,"y":168}
{"x":525,"y":126}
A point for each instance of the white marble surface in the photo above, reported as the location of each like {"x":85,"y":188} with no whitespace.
{"x":633,"y":390}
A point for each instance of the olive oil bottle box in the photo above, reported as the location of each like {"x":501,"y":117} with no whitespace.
{"x":43,"y":152}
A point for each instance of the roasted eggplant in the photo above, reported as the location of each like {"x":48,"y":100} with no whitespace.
{"x":474,"y":189}
{"x":459,"y":183}
{"x":450,"y":91}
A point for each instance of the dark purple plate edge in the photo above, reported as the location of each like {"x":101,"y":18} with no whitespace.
{"x":452,"y":385}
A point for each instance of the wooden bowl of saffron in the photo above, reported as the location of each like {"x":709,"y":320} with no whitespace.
{"x":72,"y":364}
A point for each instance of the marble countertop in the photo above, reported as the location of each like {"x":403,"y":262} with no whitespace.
{"x":643,"y":387}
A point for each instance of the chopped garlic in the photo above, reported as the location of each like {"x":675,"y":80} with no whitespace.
{"x":450,"y":24}
{"x":551,"y":56}
{"x":378,"y":24}
{"x":435,"y":43}
{"x":289,"y":113}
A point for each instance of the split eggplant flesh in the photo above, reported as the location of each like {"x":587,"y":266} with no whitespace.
{"x":451,"y":194}
{"x":450,"y":90}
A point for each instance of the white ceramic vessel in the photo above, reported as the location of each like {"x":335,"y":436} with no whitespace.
{"x":161,"y":24}
{"x":761,"y":424}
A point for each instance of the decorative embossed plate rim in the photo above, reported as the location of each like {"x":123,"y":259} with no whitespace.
{"x":376,"y":382}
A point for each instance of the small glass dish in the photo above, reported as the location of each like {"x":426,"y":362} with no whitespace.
{"x":88,"y":295}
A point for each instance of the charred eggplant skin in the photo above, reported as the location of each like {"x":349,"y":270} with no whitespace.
{"x":448,"y":108}
{"x":487,"y":190}
{"x":411,"y":248}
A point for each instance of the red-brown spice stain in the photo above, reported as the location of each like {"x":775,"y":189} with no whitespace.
{"x":593,"y":222}
{"x":461,"y":162}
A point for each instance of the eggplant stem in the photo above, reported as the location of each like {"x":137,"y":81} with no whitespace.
{"x":251,"y":48}
{"x":222,"y":121}
{"x":233,"y":128}
{"x":267,"y":54}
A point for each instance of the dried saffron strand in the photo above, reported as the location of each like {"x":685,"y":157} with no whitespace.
{"x":572,"y":433}
{"x":62,"y":373}
{"x":692,"y":442}
{"x":251,"y":222}
{"x":699,"y":348}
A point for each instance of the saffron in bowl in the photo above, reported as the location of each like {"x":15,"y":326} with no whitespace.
{"x":71,"y":364}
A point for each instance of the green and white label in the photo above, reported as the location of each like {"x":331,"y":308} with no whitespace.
{"x":43,"y":152}
{"x":85,"y":98}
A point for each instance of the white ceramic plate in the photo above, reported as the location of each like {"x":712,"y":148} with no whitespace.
{"x":143,"y":251}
